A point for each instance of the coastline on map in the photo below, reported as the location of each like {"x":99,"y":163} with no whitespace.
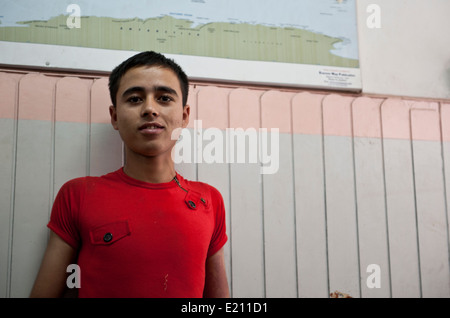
{"x":171,"y":35}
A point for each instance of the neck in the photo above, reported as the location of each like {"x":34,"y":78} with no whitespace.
{"x":156,"y":169}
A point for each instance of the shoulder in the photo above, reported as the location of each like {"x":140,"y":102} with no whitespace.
{"x":75,"y":184}
{"x":81,"y":184}
{"x":204,"y":188}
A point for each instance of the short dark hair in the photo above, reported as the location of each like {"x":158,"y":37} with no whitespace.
{"x":148,"y":58}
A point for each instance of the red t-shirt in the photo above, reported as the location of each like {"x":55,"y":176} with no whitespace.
{"x":137,"y":239}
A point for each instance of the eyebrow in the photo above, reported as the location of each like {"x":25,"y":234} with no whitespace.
{"x":140,"y":89}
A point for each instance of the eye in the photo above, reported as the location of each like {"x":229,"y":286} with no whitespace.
{"x":134,"y":100}
{"x":165,"y":98}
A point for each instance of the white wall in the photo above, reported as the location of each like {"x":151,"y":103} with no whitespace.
{"x":362,"y":181}
{"x":409,"y":55}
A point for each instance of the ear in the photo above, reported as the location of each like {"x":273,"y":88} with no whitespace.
{"x":113,"y":114}
{"x":186,"y":113}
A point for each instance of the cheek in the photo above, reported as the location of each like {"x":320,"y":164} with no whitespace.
{"x":177,"y":118}
{"x":177,"y":123}
{"x":124,"y":124}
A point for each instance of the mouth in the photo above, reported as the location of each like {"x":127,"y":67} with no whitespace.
{"x":151,"y":128}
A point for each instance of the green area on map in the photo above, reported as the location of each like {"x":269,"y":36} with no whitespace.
{"x":240,"y":41}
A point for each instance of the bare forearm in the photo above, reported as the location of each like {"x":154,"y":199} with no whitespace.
{"x":216,"y":283}
{"x":51,"y":279}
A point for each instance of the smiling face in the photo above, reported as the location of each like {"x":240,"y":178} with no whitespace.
{"x":149,"y":108}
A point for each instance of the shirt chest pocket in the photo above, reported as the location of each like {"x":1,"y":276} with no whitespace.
{"x":109,"y":233}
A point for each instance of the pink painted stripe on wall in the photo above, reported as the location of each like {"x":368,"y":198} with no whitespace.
{"x":425,"y":124}
{"x":276,"y":111}
{"x":445,"y":118}
{"x":36,"y":97}
{"x":212,"y":107}
{"x":192,"y":102}
{"x":337,"y":115}
{"x":395,"y":119}
{"x":307,"y":113}
{"x":244,"y":109}
{"x":40,"y":97}
{"x":72,"y":100}
{"x":100,"y":102}
{"x":8,"y":95}
{"x":366,"y":117}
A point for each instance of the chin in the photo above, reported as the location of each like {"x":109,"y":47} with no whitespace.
{"x":154,"y":151}
{"x":151,"y":149}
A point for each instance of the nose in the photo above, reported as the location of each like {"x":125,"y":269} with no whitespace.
{"x":149,"y":108}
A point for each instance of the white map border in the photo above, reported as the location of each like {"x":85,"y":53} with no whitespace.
{"x":90,"y":60}
{"x":78,"y":59}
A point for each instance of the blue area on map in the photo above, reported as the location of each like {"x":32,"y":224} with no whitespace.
{"x":335,"y":18}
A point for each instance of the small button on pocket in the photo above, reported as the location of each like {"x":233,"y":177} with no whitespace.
{"x":108,"y":237}
{"x":109,"y":233}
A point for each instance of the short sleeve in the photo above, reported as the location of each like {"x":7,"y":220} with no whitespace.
{"x":219,"y":237}
{"x":65,"y":210}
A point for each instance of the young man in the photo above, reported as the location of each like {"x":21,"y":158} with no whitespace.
{"x":143,"y":230}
